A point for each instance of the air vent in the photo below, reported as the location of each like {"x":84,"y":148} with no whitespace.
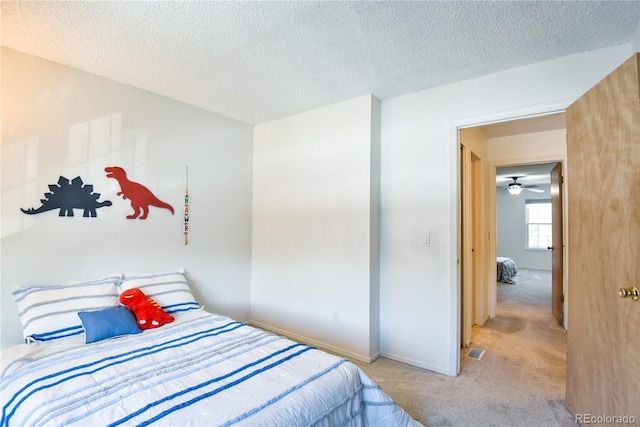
{"x":475,"y":353}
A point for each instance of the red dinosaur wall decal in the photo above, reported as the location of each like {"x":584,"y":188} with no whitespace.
{"x":141,"y":197}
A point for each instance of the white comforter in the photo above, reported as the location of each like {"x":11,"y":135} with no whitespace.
{"x":203,"y":369}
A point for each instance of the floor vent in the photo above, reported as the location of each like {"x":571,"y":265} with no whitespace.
{"x":475,"y":353}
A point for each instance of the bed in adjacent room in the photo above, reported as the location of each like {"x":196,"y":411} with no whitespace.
{"x":507,"y":269}
{"x":201,"y":368}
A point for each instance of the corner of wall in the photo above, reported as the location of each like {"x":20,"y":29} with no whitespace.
{"x":374,"y":248}
{"x":635,"y":40}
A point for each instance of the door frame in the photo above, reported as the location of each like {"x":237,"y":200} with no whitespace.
{"x":558,"y":220}
{"x":474,"y":247}
{"x":455,"y":311}
{"x":471,"y":186}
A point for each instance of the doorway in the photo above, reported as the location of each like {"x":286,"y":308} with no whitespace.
{"x":526,"y":200}
{"x":537,"y":139}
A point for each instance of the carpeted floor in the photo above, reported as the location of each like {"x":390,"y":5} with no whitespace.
{"x":519,"y":380}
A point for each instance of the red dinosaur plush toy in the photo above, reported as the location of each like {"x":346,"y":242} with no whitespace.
{"x":147,"y":312}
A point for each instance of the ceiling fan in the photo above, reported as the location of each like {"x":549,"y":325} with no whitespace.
{"x":514,"y":188}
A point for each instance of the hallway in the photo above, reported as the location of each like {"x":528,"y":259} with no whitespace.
{"x":524,"y":330}
{"x":525,"y":352}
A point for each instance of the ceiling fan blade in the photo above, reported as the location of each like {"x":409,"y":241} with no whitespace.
{"x":504,"y":179}
{"x":535,"y":190}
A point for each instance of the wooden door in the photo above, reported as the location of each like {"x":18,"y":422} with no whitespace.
{"x":603,"y":182}
{"x":557,"y":246}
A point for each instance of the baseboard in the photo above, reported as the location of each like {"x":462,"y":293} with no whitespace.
{"x":485,"y":321}
{"x":409,"y":361}
{"x":316,"y":343}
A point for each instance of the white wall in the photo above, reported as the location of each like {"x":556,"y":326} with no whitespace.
{"x":635,"y":40}
{"x":512,"y":230}
{"x":60,"y":121}
{"x":419,"y":156}
{"x":315,"y":227}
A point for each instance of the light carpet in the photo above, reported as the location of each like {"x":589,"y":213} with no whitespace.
{"x":519,"y":381}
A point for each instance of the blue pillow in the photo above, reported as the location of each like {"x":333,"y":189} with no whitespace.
{"x":109,"y":323}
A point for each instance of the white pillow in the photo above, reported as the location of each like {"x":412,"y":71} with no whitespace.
{"x":170,"y":290}
{"x":50,"y":312}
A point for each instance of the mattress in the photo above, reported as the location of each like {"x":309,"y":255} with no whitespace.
{"x":201,"y":369}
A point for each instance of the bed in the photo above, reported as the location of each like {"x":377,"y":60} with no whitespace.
{"x":202,"y":368}
{"x":507,"y":268}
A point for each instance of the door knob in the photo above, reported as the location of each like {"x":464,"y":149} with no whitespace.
{"x":551,"y":247}
{"x":630,"y":292}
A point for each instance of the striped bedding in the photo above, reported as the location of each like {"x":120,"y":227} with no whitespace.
{"x":202,"y":369}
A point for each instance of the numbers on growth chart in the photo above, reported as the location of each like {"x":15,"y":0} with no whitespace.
{"x":185,"y":218}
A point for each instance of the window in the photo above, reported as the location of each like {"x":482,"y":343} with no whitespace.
{"x":538,"y":219}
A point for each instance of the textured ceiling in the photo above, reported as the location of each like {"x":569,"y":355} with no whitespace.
{"x":258,"y":61}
